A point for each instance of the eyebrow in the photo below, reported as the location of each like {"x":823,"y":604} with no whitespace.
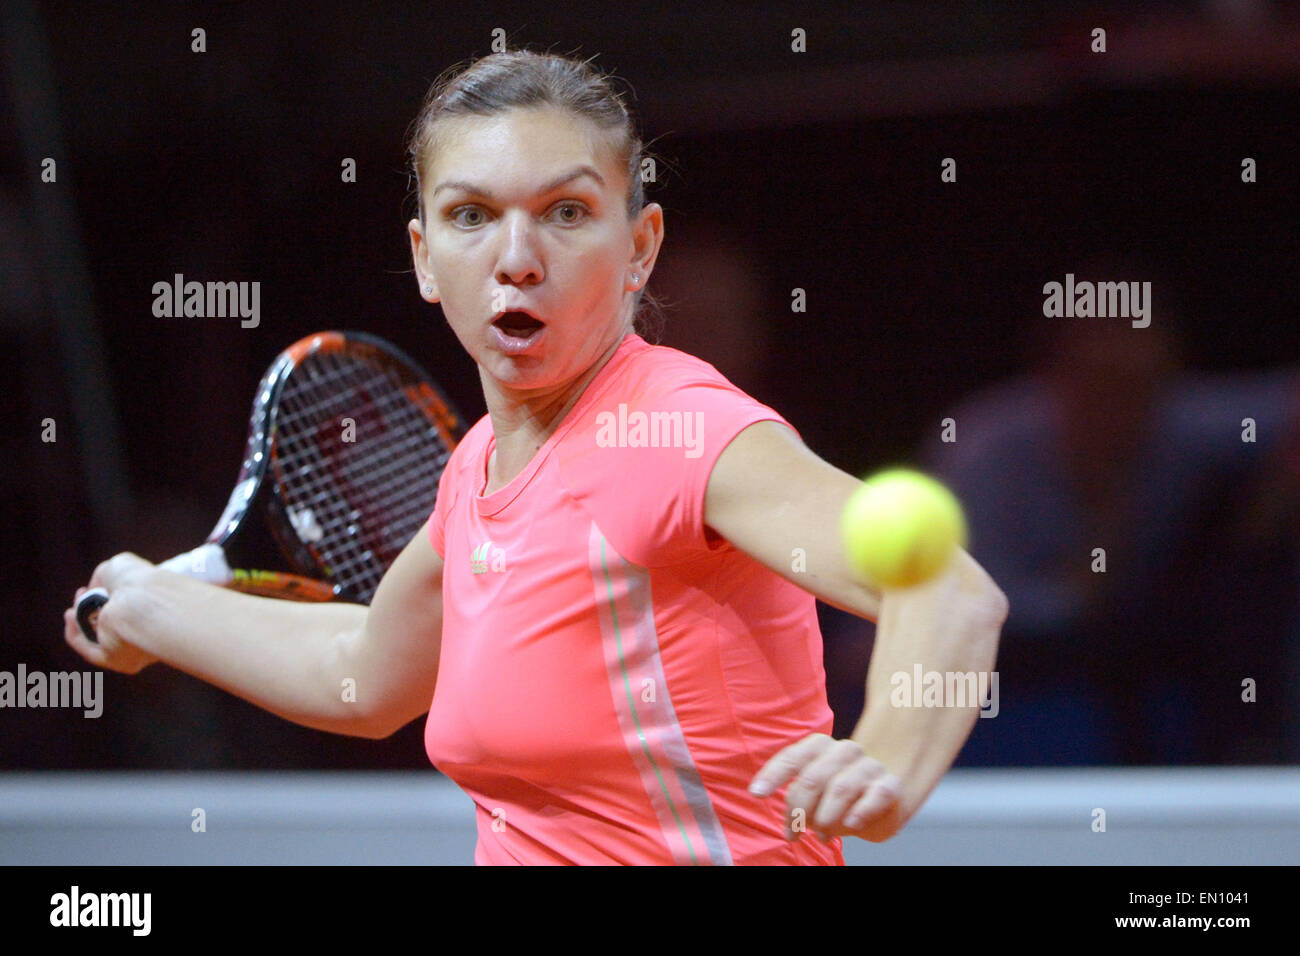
{"x":549,"y":187}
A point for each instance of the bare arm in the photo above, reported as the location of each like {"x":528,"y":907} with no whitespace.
{"x":769,"y":494}
{"x":341,"y":668}
{"x":778,"y":502}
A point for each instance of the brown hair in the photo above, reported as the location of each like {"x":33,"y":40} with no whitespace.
{"x":520,"y":78}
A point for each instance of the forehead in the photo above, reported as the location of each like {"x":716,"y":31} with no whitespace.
{"x":519,"y":145}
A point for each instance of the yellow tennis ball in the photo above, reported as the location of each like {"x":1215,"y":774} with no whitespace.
{"x":901,"y":528}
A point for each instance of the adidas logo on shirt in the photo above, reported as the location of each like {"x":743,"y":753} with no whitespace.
{"x":487,"y":557}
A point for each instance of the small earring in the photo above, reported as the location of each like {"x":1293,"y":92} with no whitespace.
{"x":428,"y":290}
{"x":636,"y":279}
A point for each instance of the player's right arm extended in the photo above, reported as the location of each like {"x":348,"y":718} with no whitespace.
{"x":338,"y":667}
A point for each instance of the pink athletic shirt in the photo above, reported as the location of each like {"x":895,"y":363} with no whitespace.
{"x":612,"y":674}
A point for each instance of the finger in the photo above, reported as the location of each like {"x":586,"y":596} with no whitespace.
{"x":787,"y":762}
{"x":803,"y":796}
{"x":841,"y":792}
{"x":108,"y":573}
{"x":849,"y":786}
{"x":882,"y":796}
{"x":76,"y":600}
{"x":77,"y":641}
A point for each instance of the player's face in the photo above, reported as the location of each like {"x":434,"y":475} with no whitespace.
{"x":527,"y":210}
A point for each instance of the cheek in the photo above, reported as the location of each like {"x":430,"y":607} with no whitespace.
{"x":456,"y":282}
{"x":457,"y":303}
{"x":600,"y":270}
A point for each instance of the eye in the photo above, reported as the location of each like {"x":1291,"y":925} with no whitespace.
{"x":579,"y":211}
{"x":456,"y":216}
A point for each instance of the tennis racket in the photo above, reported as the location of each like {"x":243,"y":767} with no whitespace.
{"x":347,"y":441}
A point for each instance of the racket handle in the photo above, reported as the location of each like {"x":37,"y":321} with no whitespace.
{"x":88,"y":606}
{"x":207,"y":562}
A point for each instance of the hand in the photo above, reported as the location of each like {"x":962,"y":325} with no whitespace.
{"x":840,"y":791}
{"x":123,"y":576}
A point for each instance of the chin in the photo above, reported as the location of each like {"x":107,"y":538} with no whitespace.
{"x":524,"y":372}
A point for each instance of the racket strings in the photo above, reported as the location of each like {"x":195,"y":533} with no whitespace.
{"x":378,"y":464}
{"x":385,"y":474}
{"x":380,"y":484}
{"x":367,"y":497}
{"x":367,"y":515}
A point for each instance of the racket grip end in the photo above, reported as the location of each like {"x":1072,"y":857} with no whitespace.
{"x":88,"y":606}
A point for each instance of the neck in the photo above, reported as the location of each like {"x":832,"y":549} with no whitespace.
{"x":522,"y":420}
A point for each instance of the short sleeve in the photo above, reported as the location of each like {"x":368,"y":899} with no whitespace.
{"x":641,"y":467}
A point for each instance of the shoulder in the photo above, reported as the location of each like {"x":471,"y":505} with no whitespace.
{"x":639,"y":453}
{"x":674,"y":362}
{"x":657,"y":374}
{"x":648,"y":391}
{"x":657,"y":397}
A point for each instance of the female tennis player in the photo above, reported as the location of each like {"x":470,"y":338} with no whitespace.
{"x":627,"y":668}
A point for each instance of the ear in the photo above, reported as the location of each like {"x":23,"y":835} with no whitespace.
{"x":420,"y":257}
{"x":647,"y":239}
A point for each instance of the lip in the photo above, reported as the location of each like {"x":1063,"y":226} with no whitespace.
{"x":513,"y":344}
{"x":518,"y":308}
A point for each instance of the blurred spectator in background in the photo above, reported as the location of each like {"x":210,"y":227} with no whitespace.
{"x":1108,"y":444}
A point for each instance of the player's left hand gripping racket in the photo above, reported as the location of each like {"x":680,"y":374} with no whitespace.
{"x":347,"y":442}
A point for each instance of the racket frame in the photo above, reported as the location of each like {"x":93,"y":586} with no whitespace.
{"x":209,"y":562}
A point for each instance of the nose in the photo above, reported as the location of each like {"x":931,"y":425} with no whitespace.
{"x":518,"y":261}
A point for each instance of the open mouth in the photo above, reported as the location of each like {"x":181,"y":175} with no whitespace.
{"x":519,"y":325}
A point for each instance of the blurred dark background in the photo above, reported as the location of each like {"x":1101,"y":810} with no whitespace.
{"x":777,"y":170}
